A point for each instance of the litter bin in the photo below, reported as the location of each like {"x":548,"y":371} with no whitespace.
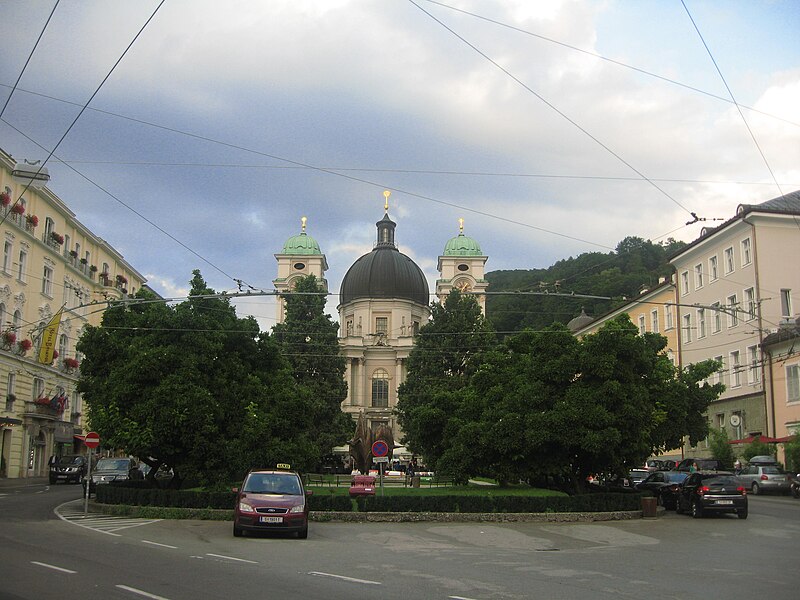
{"x":649,"y":506}
{"x":415,"y":481}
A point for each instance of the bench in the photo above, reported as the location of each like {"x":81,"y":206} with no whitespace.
{"x":362,"y":485}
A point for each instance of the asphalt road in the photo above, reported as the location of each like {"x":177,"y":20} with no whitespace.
{"x":44,"y":555}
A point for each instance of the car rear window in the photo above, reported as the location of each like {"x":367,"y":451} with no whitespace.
{"x":675,"y":477}
{"x":771,"y":470}
{"x":719,"y":480}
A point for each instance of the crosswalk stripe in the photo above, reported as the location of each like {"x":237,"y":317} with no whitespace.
{"x":74,"y":514}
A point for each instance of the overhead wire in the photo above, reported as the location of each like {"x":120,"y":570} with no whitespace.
{"x":30,"y":56}
{"x":735,"y":103}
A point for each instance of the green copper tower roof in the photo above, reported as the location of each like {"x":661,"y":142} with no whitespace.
{"x":301,"y":243}
{"x":462,"y":245}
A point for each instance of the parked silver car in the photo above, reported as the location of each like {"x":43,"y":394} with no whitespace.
{"x":760,"y":478}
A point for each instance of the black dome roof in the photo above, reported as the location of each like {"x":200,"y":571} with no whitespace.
{"x":385,"y":272}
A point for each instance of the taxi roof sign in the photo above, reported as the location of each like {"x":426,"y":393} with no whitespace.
{"x":284,"y":466}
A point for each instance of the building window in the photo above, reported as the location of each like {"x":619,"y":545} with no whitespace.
{"x":22,"y":266}
{"x":47,"y":281}
{"x":736,"y":369}
{"x":16,"y":322}
{"x":733,"y":311}
{"x":753,"y":373}
{"x":381,"y":325}
{"x":684,"y":283}
{"x":654,"y":321}
{"x":750,"y":304}
{"x":63,"y":342}
{"x":698,"y":276}
{"x":728,"y":260}
{"x":718,"y":373}
{"x":793,"y":383}
{"x":3,"y":316}
{"x":786,"y":303}
{"x":415,"y":327}
{"x":11,"y":385}
{"x":716,"y":319}
{"x":668,"y":324}
{"x":701,"y":322}
{"x":38,"y":387}
{"x":687,"y":328}
{"x":747,"y":255}
{"x":380,"y":389}
{"x":713,"y":269}
{"x":8,"y":250}
{"x":642,"y":328}
{"x":49,"y":227}
{"x":348,"y":327}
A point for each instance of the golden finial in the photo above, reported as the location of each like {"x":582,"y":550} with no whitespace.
{"x":303,"y":223}
{"x":460,"y":226}
{"x":386,"y":194}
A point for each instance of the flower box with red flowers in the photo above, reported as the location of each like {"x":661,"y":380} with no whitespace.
{"x":71,"y":363}
{"x":9,"y":338}
{"x":56,"y":237}
{"x":18,"y":209}
{"x":5,"y":198}
{"x":32,"y":220}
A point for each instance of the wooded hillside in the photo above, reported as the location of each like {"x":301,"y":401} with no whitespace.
{"x":635,"y":264}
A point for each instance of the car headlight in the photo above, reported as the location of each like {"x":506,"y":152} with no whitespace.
{"x":244,"y":507}
{"x":297,"y":508}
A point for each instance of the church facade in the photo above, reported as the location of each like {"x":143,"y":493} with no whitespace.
{"x":384,"y":300}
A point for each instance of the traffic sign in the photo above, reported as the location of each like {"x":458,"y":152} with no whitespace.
{"x":380,"y":448}
{"x":380,"y":459}
{"x":92,"y":440}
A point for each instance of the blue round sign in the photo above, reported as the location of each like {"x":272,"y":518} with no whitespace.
{"x":380,"y":448}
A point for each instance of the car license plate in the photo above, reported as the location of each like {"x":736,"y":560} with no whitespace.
{"x":272,"y":519}
{"x":724,"y":501}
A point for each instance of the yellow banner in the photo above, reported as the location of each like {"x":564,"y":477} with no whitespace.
{"x":49,"y":339}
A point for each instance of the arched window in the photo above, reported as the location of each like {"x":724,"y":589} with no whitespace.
{"x":380,"y":389}
{"x":17,"y":322}
{"x":62,"y":346}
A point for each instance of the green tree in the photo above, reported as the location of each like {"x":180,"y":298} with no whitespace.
{"x":308,"y":338}
{"x":792,"y":451}
{"x":758,"y":448}
{"x":448,"y":349}
{"x":720,"y":447}
{"x":549,"y":405}
{"x":193,"y":387}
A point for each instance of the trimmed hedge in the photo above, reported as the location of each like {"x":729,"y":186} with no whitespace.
{"x":138,"y":495}
{"x":501,"y":504}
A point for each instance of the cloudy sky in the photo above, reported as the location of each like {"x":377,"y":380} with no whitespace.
{"x":552,"y":127}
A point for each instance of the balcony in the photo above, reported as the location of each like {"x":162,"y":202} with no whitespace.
{"x":40,"y":410}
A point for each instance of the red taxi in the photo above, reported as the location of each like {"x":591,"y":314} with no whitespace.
{"x":272,"y":500}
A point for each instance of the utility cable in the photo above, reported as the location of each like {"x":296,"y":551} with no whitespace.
{"x":30,"y":56}
{"x":738,"y":108}
{"x":551,"y":106}
{"x":85,"y":106}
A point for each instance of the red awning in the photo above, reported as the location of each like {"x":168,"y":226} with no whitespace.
{"x":80,"y":437}
{"x":786,"y":438}
{"x":761,"y":438}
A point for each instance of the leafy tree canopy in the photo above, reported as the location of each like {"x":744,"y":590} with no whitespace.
{"x":194,"y":387}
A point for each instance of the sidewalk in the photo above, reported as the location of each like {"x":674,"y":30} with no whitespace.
{"x":11,"y":483}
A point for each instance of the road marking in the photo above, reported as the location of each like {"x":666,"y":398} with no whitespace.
{"x":72,"y":512}
{"x":55,"y":568}
{"x":232,"y":558}
{"x":345,"y":578}
{"x":157,"y":544}
{"x":141,"y":592}
{"x":460,"y":598}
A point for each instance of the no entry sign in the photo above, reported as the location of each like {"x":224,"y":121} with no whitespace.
{"x":92,"y":440}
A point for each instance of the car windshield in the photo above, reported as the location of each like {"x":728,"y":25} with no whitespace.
{"x":70,"y":460}
{"x":112,"y":464}
{"x":272,"y":483}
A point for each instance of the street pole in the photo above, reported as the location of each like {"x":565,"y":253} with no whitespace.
{"x":88,"y":483}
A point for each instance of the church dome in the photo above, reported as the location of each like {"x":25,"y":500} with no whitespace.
{"x":385,"y":272}
{"x":301,"y":243}
{"x":462,"y":245}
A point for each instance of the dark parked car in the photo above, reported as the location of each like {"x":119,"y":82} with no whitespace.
{"x":699,"y":464}
{"x":660,"y":464}
{"x":113,"y":469}
{"x":271,"y":500}
{"x":712,"y":491}
{"x":665,"y":486}
{"x":70,"y":468}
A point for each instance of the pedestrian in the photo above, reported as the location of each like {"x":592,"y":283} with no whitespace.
{"x":693,"y":468}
